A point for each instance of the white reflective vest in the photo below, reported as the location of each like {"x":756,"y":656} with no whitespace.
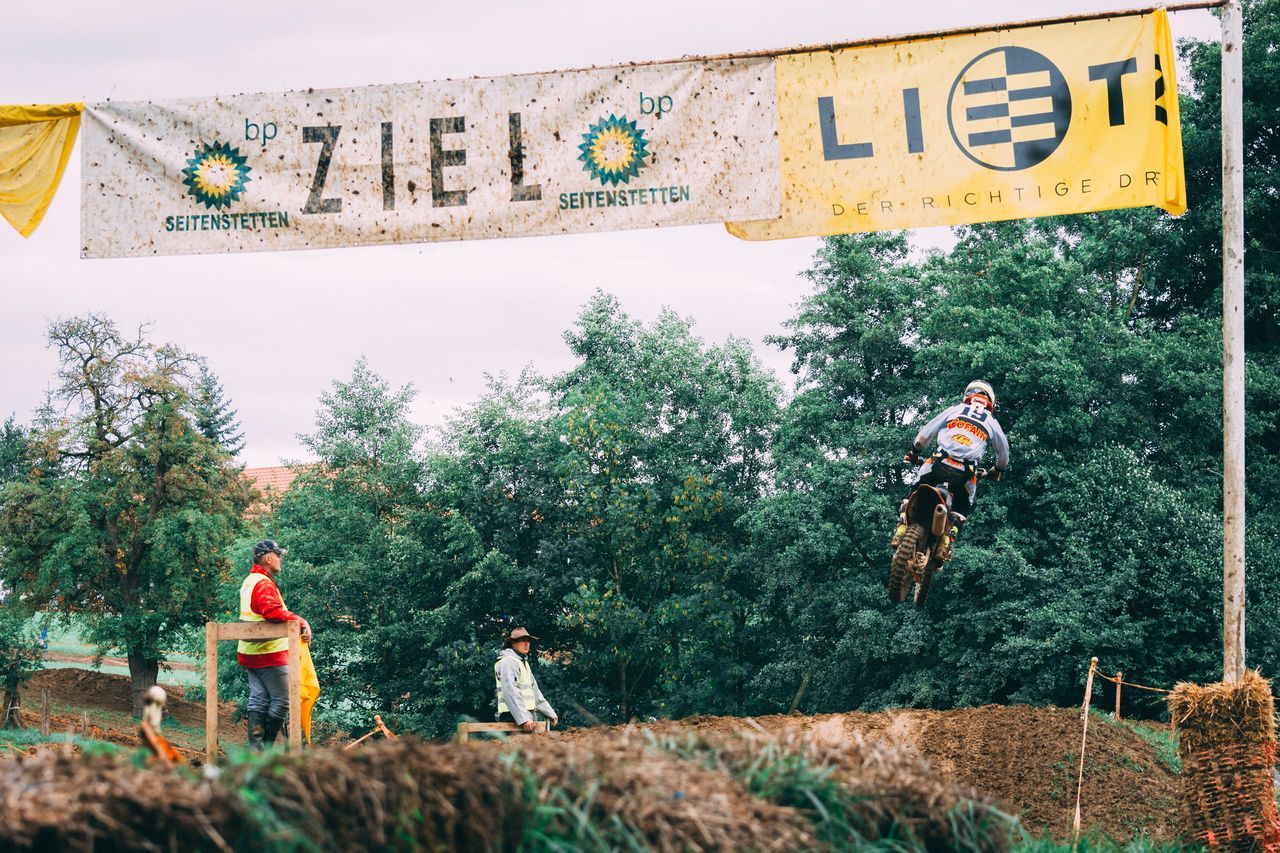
{"x":524,"y":681}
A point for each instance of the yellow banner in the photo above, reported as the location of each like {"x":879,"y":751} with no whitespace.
{"x":1032,"y":121}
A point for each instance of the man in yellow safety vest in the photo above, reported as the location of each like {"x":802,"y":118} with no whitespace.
{"x":266,"y":661}
{"x":519,"y":699}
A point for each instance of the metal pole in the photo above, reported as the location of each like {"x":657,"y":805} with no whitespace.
{"x":1233,"y":512}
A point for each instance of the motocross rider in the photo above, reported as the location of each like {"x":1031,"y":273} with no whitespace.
{"x":963,"y":432}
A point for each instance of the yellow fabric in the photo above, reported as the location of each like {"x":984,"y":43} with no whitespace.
{"x":35,"y":144}
{"x":1175,"y":199}
{"x":264,"y":647}
{"x":1032,"y":121}
{"x":309,"y":690}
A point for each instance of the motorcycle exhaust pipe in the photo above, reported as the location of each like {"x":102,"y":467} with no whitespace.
{"x":939,"y":519}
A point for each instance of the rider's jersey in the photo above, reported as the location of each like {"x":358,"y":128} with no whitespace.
{"x":963,"y":432}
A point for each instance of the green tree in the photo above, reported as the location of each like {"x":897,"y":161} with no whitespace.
{"x":396,"y":585}
{"x":128,"y":510}
{"x":661,"y":448}
{"x":19,"y":649}
{"x":214,"y":417}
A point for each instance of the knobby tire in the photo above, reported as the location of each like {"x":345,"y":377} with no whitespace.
{"x":900,"y":566}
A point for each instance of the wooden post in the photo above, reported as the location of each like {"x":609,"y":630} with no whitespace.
{"x":1084,"y":738}
{"x":1119,"y":675}
{"x":295,"y":685}
{"x":1233,"y":512}
{"x":45,"y":717}
{"x":211,"y":692}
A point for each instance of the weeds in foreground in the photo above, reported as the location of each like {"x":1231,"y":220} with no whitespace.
{"x":1095,"y":843}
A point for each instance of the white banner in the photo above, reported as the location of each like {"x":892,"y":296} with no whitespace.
{"x":557,"y":153}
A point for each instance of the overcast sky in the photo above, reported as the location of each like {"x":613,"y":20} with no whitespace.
{"x":279,"y":328}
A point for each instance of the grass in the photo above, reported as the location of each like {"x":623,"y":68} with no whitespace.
{"x":840,"y":815}
{"x":1158,"y":735}
{"x":67,"y":635}
{"x":20,"y":740}
{"x":1094,"y":843}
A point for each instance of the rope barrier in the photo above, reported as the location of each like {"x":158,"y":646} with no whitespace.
{"x":1118,"y":681}
{"x":1131,"y":684}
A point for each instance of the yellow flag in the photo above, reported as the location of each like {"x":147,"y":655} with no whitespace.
{"x":35,"y":143}
{"x":308,"y":690}
{"x":1032,"y":121}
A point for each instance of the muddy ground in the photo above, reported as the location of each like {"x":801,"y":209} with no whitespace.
{"x":1023,"y":756}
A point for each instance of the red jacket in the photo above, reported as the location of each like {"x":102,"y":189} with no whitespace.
{"x":268,"y":604}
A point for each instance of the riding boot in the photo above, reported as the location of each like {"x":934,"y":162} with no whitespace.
{"x":949,"y":539}
{"x":273,"y":727}
{"x":257,"y":730}
{"x":902,"y":525}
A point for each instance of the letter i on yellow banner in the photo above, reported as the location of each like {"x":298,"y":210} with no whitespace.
{"x":1031,"y":121}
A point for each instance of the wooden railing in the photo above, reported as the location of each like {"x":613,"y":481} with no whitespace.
{"x":219,"y":631}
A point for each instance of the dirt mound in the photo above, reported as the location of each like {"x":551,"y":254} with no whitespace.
{"x":1023,"y":756}
{"x":614,"y":790}
{"x":84,"y":688}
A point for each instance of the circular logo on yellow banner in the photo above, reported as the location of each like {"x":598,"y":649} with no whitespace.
{"x":216,"y":175}
{"x":613,"y":150}
{"x":1009,"y":109}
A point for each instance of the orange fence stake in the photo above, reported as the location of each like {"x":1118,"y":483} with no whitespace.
{"x":1119,"y":683}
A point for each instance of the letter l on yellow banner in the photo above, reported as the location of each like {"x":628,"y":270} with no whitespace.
{"x":1029,"y":121}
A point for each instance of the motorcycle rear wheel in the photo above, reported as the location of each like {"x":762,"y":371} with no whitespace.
{"x":900,"y":567}
{"x":926,"y":581}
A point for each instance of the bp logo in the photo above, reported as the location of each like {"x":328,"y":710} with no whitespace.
{"x":1009,"y":109}
{"x":614,"y":150}
{"x":216,"y":175}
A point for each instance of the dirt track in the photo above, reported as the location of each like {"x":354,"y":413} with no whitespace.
{"x":1026,"y":757}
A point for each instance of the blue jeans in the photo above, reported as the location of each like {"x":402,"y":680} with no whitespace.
{"x":269,"y":691}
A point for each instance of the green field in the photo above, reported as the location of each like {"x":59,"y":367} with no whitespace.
{"x":68,"y":637}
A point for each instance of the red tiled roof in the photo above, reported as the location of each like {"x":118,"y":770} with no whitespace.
{"x":273,"y":479}
{"x":272,"y":482}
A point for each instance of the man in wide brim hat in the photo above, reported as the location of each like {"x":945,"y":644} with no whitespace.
{"x":519,"y":699}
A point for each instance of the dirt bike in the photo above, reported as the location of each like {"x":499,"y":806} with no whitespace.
{"x":920,"y":551}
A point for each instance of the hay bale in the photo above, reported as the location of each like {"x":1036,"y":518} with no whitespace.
{"x":1227,"y":742}
{"x":1224,"y":713}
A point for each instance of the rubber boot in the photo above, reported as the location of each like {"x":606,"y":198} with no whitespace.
{"x":257,"y":730}
{"x":273,"y":727}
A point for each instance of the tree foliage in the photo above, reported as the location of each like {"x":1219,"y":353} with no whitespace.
{"x":214,"y":417}
{"x":127,"y":509}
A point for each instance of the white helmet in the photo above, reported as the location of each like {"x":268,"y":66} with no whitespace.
{"x":978,"y":388}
